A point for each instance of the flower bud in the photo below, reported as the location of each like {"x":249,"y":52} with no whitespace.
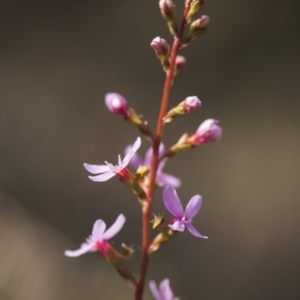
{"x":180,"y":63}
{"x":197,"y":27}
{"x":160,"y":46}
{"x":162,"y":49}
{"x":200,"y":25}
{"x":168,"y":9}
{"x":208,"y":131}
{"x":190,"y":104}
{"x":117,"y":104}
{"x":194,"y":8}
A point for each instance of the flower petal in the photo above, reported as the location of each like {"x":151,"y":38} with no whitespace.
{"x":154,"y":290}
{"x":103,"y":177}
{"x":193,"y":207}
{"x":136,"y":160}
{"x":161,"y":166}
{"x":172,"y":202}
{"x":167,"y":179}
{"x":194,"y":231}
{"x":96,"y":169}
{"x":165,"y":289}
{"x":161,"y":150}
{"x":177,"y":226}
{"x":148,"y":157}
{"x":114,"y":228}
{"x":129,"y":155}
{"x":98,"y":230}
{"x":210,"y":131}
{"x":85,"y":247}
{"x":205,"y":126}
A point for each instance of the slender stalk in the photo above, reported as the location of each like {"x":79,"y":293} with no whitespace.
{"x":147,"y":208}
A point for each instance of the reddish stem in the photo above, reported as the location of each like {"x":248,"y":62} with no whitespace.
{"x":155,"y":158}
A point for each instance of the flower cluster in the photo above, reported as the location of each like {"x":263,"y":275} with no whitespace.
{"x":147,"y":173}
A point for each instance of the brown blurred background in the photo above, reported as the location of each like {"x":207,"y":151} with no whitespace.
{"x":59,"y":58}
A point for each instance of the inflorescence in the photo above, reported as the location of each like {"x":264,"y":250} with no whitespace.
{"x":147,"y":173}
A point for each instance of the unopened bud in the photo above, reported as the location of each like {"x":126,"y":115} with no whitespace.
{"x":162,"y":49}
{"x":168,"y":9}
{"x":194,"y":8}
{"x":208,"y":131}
{"x":190,"y":104}
{"x":180,"y":63}
{"x":160,"y":46}
{"x":200,"y":25}
{"x":117,"y":104}
{"x":197,"y":27}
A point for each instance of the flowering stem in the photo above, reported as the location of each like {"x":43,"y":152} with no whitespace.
{"x":155,"y":158}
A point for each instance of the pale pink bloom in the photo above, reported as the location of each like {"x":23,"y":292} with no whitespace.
{"x":107,"y":171}
{"x":98,"y":240}
{"x":182,"y":218}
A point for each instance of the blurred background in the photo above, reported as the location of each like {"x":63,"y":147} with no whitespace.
{"x":59,"y":58}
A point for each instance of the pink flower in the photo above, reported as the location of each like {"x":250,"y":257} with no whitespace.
{"x":164,"y":292}
{"x":182,"y":218}
{"x":98,"y":240}
{"x":107,"y":171}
